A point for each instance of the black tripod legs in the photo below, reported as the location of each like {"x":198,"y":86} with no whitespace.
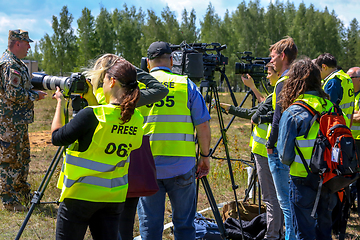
{"x":214,"y":208}
{"x":40,"y":192}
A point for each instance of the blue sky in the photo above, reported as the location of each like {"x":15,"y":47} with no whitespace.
{"x":36,"y":15}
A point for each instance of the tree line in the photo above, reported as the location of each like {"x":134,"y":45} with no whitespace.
{"x":128,"y":32}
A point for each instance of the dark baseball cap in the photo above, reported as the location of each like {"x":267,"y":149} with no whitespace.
{"x":19,"y":34}
{"x":156,"y":49}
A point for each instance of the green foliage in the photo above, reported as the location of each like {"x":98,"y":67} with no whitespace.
{"x":128,"y":30}
{"x":188,"y":28}
{"x":86,"y":40}
{"x":251,"y":27}
{"x":64,"y":41}
{"x":104,"y":32}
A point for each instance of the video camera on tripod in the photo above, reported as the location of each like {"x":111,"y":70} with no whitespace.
{"x":194,"y":60}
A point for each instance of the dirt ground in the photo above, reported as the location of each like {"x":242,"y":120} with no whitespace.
{"x":40,"y":139}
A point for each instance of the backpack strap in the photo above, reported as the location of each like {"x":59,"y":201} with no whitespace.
{"x":316,"y":115}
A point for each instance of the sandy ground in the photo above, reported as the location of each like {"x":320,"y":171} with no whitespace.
{"x":40,"y":139}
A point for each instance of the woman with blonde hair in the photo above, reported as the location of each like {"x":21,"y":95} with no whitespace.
{"x":93,"y":178}
{"x":153,"y":92}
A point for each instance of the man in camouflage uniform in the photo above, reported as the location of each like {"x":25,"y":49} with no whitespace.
{"x":16,"y":112}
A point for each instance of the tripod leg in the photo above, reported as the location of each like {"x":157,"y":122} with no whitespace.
{"x":214,"y":208}
{"x":40,"y":192}
{"x":225,"y":142}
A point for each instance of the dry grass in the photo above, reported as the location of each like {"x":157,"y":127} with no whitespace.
{"x":43,"y":220}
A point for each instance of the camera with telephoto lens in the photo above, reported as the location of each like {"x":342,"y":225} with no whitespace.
{"x":255,"y":66}
{"x":76,"y":83}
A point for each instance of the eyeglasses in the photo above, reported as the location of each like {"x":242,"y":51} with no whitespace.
{"x":355,"y":77}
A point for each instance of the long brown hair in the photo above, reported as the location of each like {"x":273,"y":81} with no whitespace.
{"x":125,"y":73}
{"x":304,"y":76}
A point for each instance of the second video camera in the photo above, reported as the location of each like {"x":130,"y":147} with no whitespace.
{"x":76,"y":83}
{"x":255,"y":66}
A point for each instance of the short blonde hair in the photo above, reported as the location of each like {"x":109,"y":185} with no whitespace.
{"x":96,"y":74}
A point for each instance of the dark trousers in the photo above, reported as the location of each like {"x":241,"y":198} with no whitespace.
{"x":302,"y":198}
{"x":74,"y":216}
{"x":127,"y":219}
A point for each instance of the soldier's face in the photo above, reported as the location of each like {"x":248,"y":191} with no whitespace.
{"x":23,"y":47}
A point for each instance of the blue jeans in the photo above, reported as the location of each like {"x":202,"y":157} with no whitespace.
{"x":280,"y":174}
{"x":302,"y":199}
{"x":182,"y":193}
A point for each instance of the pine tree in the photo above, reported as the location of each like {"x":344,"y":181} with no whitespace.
{"x":86,"y":38}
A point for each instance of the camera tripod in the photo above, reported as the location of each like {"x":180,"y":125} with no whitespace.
{"x":212,"y":93}
{"x":40,"y":192}
{"x":45,"y":182}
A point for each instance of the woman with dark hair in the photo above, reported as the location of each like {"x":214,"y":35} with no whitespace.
{"x":93,"y":178}
{"x":304,"y":84}
{"x":153,"y":92}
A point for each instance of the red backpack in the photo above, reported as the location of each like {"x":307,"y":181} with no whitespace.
{"x":334,"y":155}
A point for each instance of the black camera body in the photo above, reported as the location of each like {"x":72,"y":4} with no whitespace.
{"x":267,"y":118}
{"x":255,"y":66}
{"x":76,"y":83}
{"x":194,"y":60}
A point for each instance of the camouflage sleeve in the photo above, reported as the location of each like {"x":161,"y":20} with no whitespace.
{"x":17,"y":88}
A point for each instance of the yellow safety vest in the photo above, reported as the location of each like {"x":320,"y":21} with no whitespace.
{"x":100,"y":173}
{"x":283,"y":78}
{"x":168,"y":122}
{"x":100,"y":96}
{"x":355,"y":128}
{"x":259,"y":137}
{"x":347,"y":102}
{"x":306,"y":145}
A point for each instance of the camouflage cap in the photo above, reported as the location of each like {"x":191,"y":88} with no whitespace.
{"x":19,"y":34}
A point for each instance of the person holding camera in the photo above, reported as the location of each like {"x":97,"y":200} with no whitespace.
{"x":94,"y":175}
{"x":261,"y":116}
{"x":154,"y":91}
{"x":170,"y":124}
{"x":16,"y":112}
{"x":304,"y":84}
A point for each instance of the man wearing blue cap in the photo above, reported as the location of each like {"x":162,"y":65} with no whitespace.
{"x":16,"y":112}
{"x":170,"y":124}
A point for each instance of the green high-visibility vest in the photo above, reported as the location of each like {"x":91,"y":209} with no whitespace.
{"x":355,"y":128}
{"x":100,"y":96}
{"x":347,"y":102}
{"x":283,"y":78}
{"x":259,"y":137}
{"x":168,"y":122}
{"x":100,"y":173}
{"x":306,"y":145}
